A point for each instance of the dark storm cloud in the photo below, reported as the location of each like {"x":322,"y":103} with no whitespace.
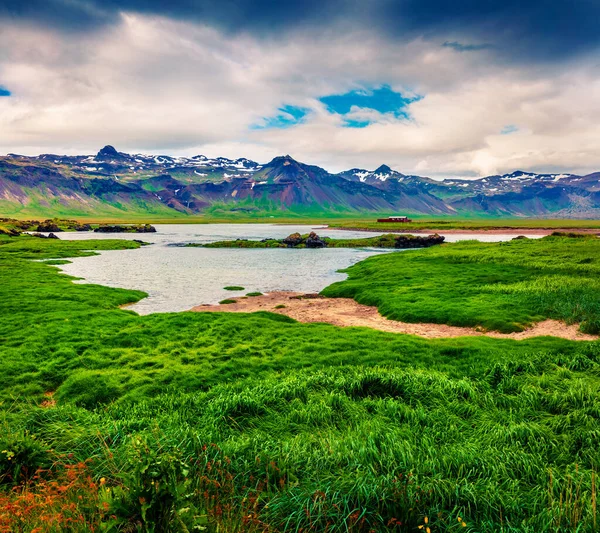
{"x":529,"y":29}
{"x":534,"y":29}
{"x":461,"y":47}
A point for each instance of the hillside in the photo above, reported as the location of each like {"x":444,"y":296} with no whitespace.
{"x":113,"y":183}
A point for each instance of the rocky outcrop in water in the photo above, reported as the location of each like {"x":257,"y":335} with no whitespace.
{"x":42,"y":236}
{"x":418,"y":241}
{"x":313,"y":241}
{"x":293,"y":240}
{"x":138,"y":228}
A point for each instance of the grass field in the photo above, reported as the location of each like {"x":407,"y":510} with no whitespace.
{"x":500,"y":286}
{"x":367,"y":221}
{"x":222,"y":422}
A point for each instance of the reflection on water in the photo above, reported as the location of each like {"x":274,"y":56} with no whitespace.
{"x":177,"y":279}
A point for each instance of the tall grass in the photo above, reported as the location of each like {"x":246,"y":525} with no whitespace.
{"x":499,"y":286}
{"x":232,"y":422}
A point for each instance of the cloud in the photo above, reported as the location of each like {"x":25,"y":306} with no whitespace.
{"x":519,"y":31}
{"x":461,"y":47}
{"x":156,"y":84}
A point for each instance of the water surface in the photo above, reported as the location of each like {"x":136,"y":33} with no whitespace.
{"x":177,"y":279}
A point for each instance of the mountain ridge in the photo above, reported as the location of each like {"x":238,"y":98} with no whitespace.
{"x":113,"y":181}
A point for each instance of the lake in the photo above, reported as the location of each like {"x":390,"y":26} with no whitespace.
{"x":177,"y":278}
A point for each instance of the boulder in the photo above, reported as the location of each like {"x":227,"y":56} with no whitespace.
{"x":42,"y":236}
{"x":313,"y":241}
{"x":82,"y":227}
{"x":293,"y":240}
{"x":48,"y":226}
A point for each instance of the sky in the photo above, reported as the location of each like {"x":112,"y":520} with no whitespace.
{"x":429,"y":87}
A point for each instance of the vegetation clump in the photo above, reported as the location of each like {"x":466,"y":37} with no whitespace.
{"x":130,"y":228}
{"x":233,"y":288}
{"x":228,"y":301}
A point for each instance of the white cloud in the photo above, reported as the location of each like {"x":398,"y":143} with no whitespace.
{"x":152,"y":84}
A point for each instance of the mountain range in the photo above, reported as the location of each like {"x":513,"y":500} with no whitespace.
{"x":113,"y":183}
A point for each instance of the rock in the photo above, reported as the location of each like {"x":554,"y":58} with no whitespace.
{"x":519,"y":237}
{"x":418,"y":241}
{"x":140,"y":228}
{"x":48,"y":226}
{"x":11,"y":232}
{"x":82,"y":227}
{"x":42,"y":236}
{"x":293,"y":240}
{"x":313,"y":241}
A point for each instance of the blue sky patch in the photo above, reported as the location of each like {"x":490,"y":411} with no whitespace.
{"x":288,"y":115}
{"x":383,"y":100}
{"x":352,"y":123}
{"x":507,"y":130}
{"x":4,"y":92}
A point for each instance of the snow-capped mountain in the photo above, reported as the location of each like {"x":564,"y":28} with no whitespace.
{"x":111,"y":182}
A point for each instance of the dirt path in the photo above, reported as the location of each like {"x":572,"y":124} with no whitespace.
{"x":346,"y":312}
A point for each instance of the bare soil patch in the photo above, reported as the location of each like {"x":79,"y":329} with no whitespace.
{"x":346,"y":312}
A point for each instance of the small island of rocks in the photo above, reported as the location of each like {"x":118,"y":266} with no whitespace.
{"x":312,"y":240}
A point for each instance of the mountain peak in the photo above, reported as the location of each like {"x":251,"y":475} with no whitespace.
{"x":282,"y":160}
{"x":383,"y":169}
{"x":108,"y":151}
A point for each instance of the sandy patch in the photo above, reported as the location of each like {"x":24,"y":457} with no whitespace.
{"x":346,"y":312}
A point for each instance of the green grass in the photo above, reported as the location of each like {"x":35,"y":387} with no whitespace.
{"x":234,"y":288}
{"x":248,"y":422}
{"x":474,"y":223}
{"x":365,"y":221}
{"x":254,"y":294}
{"x":499,"y":286}
{"x":228,"y":301}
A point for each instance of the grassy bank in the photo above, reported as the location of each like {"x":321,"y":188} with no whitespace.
{"x":366,"y":221}
{"x":468,"y":224}
{"x":500,"y":286}
{"x":225,"y":422}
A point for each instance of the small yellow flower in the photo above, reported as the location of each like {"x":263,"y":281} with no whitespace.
{"x":464,"y":524}
{"x":428,"y":530}
{"x":102,"y":480}
{"x":420,"y":527}
{"x":426,"y":520}
{"x":459,"y":519}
